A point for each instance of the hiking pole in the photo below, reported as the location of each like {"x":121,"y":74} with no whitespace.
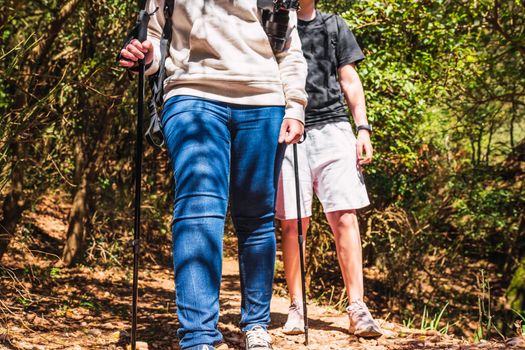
{"x":301,"y":240}
{"x":142,"y":23}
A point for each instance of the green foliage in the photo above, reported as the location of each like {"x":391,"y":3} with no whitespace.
{"x":445,"y":89}
{"x":429,"y":323}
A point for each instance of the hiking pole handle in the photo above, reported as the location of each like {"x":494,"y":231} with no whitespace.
{"x":142,"y":22}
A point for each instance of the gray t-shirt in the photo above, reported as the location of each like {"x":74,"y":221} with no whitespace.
{"x":321,"y":48}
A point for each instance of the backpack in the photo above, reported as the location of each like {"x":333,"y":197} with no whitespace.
{"x":331,"y":24}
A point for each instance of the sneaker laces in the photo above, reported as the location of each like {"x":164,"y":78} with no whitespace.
{"x":258,"y":336}
{"x":360,"y":315}
{"x":296,"y":306}
{"x":357,"y":306}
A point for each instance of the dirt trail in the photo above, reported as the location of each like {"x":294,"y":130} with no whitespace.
{"x":328,"y":328}
{"x":43,"y":307}
{"x":86,"y":308}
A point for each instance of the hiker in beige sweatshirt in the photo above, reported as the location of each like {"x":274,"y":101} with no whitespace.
{"x":232,"y":105}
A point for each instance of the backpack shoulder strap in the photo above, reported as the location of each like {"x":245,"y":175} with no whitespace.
{"x":154,"y":131}
{"x":332,"y":28}
{"x":165,"y":42}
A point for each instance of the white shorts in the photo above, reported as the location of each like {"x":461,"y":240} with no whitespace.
{"x":327,"y":165}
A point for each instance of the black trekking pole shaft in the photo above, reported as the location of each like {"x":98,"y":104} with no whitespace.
{"x":142,"y":35}
{"x":301,"y":240}
{"x":138,"y":178}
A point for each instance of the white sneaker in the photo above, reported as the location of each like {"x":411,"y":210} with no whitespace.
{"x":258,"y":338}
{"x":295,"y":322}
{"x":362,"y":324}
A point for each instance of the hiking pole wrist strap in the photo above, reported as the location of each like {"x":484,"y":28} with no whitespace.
{"x":154,"y":132}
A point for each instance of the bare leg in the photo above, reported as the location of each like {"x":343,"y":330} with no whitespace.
{"x":349,"y":251}
{"x":290,"y":247}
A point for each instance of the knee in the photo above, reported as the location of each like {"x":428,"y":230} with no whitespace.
{"x":200,"y":205}
{"x":289,"y":228}
{"x":346,"y":219}
{"x":253,"y":225}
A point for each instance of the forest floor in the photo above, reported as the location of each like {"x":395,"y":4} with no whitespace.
{"x":43,"y":306}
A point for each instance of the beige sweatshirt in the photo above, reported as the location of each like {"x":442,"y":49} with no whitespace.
{"x":220,"y":51}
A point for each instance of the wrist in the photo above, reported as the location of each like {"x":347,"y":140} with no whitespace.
{"x":363,"y":133}
{"x":364,"y":129}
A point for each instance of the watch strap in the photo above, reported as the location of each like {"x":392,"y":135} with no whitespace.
{"x":366,"y":127}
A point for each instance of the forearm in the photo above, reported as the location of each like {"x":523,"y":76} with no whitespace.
{"x":355,"y":99}
{"x":293,"y":71}
{"x":155,"y":25}
{"x":354,"y":94}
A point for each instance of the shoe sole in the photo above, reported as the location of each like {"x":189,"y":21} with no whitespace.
{"x":368,"y":333}
{"x":295,"y":331}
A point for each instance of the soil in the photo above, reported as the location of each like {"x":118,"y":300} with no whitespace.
{"x":44,"y":306}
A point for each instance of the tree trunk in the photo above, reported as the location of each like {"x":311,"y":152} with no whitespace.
{"x":74,"y":247}
{"x":40,"y":52}
{"x":14,"y":205}
{"x":516,"y":290}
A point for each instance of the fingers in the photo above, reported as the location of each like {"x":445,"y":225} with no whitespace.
{"x":126,"y":63}
{"x":135,"y":51}
{"x":291,"y":131}
{"x":147,"y":46}
{"x":364,"y":153}
{"x":369,"y":153}
{"x":128,"y":55}
{"x":359,"y":150}
{"x":293,"y":137}
{"x":295,"y":132}
{"x":282,"y":132}
{"x":135,"y":48}
{"x":148,"y":50}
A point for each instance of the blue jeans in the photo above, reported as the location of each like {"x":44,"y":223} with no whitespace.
{"x":216,"y":148}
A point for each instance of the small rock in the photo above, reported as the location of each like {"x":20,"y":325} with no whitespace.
{"x":141,"y":345}
{"x":434,"y":339}
{"x":432,"y":333}
{"x":94,"y":332}
{"x":109,"y":325}
{"x":388,"y":334}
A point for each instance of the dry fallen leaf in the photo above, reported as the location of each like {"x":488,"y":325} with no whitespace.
{"x":518,"y":342}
